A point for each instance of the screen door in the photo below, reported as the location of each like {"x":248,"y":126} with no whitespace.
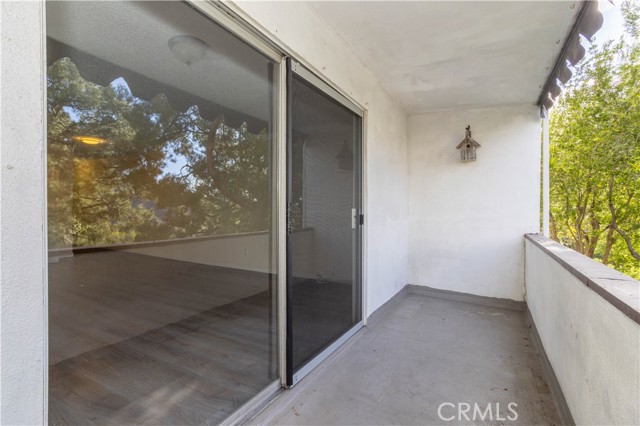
{"x":324,"y":219}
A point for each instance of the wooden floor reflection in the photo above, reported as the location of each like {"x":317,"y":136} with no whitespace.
{"x":116,"y":359}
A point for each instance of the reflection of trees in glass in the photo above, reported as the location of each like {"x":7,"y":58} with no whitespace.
{"x":158,"y":174}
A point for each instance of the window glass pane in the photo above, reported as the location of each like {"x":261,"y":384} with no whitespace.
{"x":161,"y":225}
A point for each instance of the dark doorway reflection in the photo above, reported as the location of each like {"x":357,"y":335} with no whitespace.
{"x":324,"y":242}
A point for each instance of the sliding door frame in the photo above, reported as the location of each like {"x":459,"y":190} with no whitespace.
{"x":295,"y":67}
{"x":221,"y":14}
{"x":234,"y":19}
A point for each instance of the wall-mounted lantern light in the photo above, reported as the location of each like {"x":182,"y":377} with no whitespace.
{"x":468,"y":147}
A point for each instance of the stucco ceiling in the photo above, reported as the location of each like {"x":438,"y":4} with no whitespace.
{"x":436,"y":55}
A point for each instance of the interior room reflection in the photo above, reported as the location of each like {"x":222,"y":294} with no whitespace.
{"x":160,"y":198}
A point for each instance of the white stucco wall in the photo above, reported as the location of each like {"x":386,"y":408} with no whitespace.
{"x":593,"y":347}
{"x":296,"y":26}
{"x":467,"y":220}
{"x":22,"y":215}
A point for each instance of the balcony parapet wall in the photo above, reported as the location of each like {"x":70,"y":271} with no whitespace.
{"x":619,"y":289}
{"x":587,"y":318}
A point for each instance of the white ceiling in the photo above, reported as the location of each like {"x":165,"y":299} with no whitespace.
{"x":434,"y":55}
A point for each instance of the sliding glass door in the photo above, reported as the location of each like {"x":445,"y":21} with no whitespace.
{"x":161,"y":213}
{"x":164,"y":156}
{"x":324,"y":296}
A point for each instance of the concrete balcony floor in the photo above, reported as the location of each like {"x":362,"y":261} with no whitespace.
{"x":417,"y":353}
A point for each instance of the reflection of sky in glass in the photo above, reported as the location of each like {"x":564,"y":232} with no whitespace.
{"x":73,"y":114}
{"x":175,"y":164}
{"x":120,"y":83}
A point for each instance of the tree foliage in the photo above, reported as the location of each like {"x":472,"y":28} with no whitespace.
{"x":595,"y":154}
{"x":159,"y":173}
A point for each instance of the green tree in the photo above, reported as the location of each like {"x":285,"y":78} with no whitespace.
{"x":595,"y":154}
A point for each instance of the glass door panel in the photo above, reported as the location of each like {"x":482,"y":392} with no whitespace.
{"x":324,"y":202}
{"x":161,"y":219}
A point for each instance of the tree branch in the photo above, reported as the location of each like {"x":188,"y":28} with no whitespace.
{"x":210,"y":145}
{"x":614,"y":224}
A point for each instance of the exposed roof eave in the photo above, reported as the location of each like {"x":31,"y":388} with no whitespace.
{"x":588,"y":21}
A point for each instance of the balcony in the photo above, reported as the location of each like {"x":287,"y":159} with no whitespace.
{"x":437,"y":357}
{"x":422,"y":355}
{"x":151,"y":244}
